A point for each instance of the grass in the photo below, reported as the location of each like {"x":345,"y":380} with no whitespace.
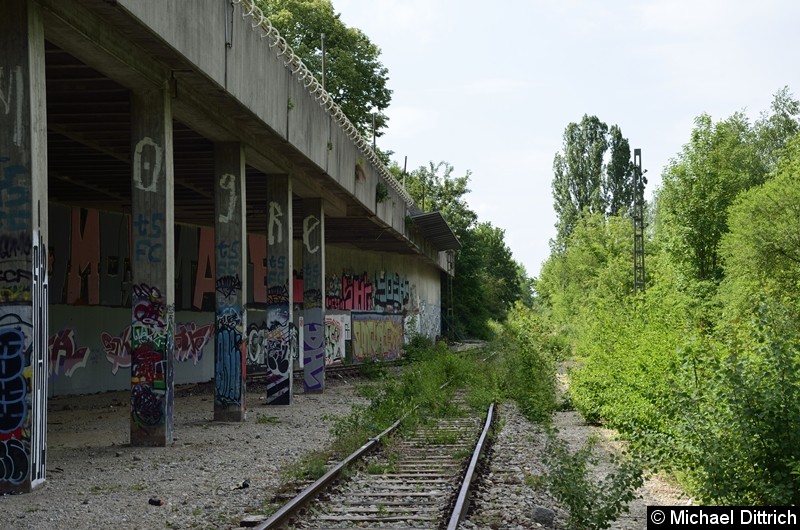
{"x":265,"y":419}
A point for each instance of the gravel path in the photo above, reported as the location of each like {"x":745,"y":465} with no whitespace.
{"x":96,"y":480}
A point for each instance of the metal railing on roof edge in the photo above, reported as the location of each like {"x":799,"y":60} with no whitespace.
{"x":304,"y":75}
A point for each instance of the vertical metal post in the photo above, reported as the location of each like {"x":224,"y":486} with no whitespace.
{"x":638,"y":223}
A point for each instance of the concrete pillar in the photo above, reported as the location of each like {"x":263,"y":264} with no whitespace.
{"x":313,"y":296}
{"x":231,"y":273}
{"x":153,"y":243}
{"x":23,"y":231}
{"x":278,"y":323}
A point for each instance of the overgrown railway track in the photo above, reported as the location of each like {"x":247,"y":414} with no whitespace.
{"x":421,"y":481}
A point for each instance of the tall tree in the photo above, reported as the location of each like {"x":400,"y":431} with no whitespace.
{"x":354,"y":74}
{"x":487,"y":279}
{"x":583,"y":183}
{"x":720,"y":161}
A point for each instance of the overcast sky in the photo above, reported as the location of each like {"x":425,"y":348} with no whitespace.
{"x":490,"y":86}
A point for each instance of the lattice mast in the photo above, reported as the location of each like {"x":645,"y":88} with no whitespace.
{"x":639,"y":182}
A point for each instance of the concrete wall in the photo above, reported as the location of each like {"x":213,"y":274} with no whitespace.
{"x":196,"y":29}
{"x":375,"y":301}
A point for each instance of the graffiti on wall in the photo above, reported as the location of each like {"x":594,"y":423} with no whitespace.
{"x":15,"y":274}
{"x":376,"y":336}
{"x":65,"y":356}
{"x":190,"y":343}
{"x":337,"y":329}
{"x":14,"y":414}
{"x":349,"y":292}
{"x":391,"y":292}
{"x":425,"y":321}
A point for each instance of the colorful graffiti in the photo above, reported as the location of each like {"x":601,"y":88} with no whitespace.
{"x":391,"y":292}
{"x":152,"y":343}
{"x":65,"y":356}
{"x":349,"y":292}
{"x":14,"y":417}
{"x":190,"y":342}
{"x":337,"y":328}
{"x":230,"y":358}
{"x":278,"y":346}
{"x":377,"y":336}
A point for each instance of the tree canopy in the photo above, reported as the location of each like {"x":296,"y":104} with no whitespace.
{"x":587,"y":181}
{"x":354,"y":74}
{"x":487,"y":279}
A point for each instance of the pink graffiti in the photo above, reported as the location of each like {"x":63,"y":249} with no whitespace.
{"x":191,"y":340}
{"x":118,"y":349}
{"x":65,"y":355}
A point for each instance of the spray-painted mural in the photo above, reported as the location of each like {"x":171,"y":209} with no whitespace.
{"x":151,"y":342}
{"x":376,"y":336}
{"x":15,"y":380}
{"x":337,"y":330}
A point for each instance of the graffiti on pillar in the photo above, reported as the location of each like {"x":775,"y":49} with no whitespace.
{"x":310,"y":224}
{"x":14,"y":413}
{"x":278,"y":346}
{"x":151,"y":344}
{"x":230,"y":357}
{"x":65,"y":356}
{"x":391,"y":292}
{"x":148,"y":236}
{"x":275,"y":224}
{"x":148,"y":159}
{"x":38,"y":358}
{"x":336,"y":330}
{"x":314,"y":350}
{"x":15,"y":273}
{"x":228,"y":182}
{"x":377,"y":336}
{"x":12,"y":96}
{"x":190,"y":342}
{"x":349,"y":292}
{"x":16,"y":239}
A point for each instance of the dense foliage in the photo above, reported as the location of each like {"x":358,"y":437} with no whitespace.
{"x":487,"y":280}
{"x":591,"y":174}
{"x":702,"y":373}
{"x":354,"y":74}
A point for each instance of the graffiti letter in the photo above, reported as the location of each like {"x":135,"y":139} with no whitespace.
{"x":275,"y":214}
{"x":228,"y":182}
{"x":139,"y":164}
{"x":310,"y":223}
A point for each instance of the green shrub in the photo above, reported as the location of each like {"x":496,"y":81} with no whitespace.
{"x":592,"y":505}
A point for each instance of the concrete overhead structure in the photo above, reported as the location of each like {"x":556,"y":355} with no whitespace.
{"x":180,"y":203}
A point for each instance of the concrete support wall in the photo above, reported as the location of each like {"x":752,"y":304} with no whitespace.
{"x":278,"y":323}
{"x":231,"y":274}
{"x":23,"y":255}
{"x":153,"y":310}
{"x":313,"y":296}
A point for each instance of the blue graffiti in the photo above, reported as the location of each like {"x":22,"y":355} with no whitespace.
{"x":13,"y":389}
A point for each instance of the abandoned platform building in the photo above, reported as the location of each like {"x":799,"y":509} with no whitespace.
{"x":181,"y":201}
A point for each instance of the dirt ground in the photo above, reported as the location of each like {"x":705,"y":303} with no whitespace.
{"x":95,"y":479}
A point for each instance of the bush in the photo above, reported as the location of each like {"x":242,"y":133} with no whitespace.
{"x":527,"y":369}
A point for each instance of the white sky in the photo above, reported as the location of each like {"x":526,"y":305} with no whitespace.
{"x":490,"y":86}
